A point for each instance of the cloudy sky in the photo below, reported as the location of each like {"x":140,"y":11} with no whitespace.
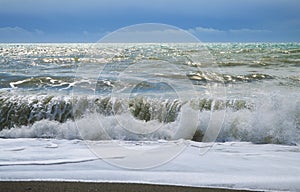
{"x":209,"y":20}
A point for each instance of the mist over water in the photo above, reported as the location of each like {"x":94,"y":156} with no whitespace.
{"x":261,"y":104}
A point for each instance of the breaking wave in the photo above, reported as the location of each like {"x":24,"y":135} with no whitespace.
{"x":37,"y":78}
{"x":272,"y":120}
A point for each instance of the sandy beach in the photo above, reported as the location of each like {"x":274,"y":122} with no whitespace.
{"x":49,"y":186}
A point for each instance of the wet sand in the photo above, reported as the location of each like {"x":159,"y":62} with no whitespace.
{"x":57,"y":186}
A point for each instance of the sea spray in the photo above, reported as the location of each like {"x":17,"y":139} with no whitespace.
{"x":261,"y":81}
{"x":268,"y":120}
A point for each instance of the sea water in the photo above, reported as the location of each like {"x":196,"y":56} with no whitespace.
{"x":145,"y":91}
{"x":126,"y":113}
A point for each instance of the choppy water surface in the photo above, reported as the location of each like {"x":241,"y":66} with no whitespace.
{"x":44,"y":87}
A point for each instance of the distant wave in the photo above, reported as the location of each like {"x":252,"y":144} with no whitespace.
{"x":206,"y":77}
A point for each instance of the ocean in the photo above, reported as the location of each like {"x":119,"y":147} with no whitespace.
{"x":136,"y":92}
{"x":217,"y":115}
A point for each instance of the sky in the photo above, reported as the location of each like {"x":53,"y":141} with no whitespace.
{"x":90,"y":20}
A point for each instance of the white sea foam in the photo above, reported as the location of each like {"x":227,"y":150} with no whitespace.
{"x":262,"y":76}
{"x":13,"y":84}
{"x":271,"y":120}
{"x":99,"y":127}
{"x":236,"y":165}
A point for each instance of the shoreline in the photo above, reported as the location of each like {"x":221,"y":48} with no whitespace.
{"x":64,"y":165}
{"x":62,"y":186}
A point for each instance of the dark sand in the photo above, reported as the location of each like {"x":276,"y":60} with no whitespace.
{"x":52,"y":186}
